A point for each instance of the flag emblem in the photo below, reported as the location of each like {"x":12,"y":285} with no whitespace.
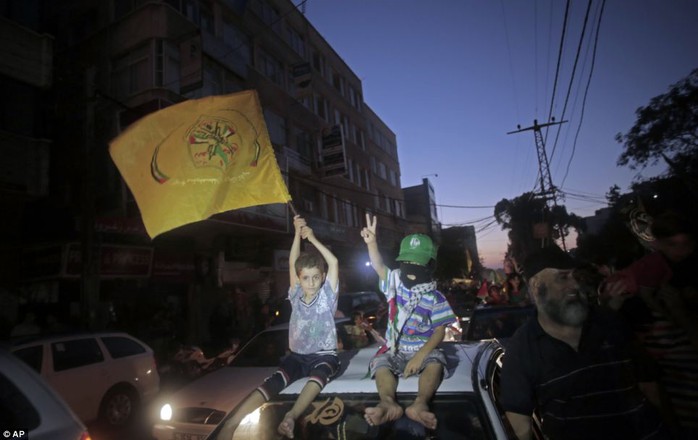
{"x":204,"y":156}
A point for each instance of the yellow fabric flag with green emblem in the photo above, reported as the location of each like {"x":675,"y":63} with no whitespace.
{"x":197,"y":158}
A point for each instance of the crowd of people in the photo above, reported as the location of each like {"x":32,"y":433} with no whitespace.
{"x":611,"y":353}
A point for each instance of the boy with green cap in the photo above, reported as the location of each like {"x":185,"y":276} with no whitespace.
{"x":418,"y":315}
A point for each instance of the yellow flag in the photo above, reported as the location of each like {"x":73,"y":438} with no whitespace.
{"x":197,"y":158}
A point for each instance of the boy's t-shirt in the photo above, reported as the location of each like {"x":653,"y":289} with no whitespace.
{"x":311,"y":328}
{"x":432,"y":311}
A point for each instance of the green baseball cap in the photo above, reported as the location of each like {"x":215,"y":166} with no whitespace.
{"x":417,"y":248}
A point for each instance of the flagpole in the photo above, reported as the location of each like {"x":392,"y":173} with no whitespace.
{"x":292,"y":208}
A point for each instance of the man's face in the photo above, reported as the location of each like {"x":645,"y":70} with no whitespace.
{"x":677,"y":247}
{"x":311,"y":279}
{"x":560,"y":297}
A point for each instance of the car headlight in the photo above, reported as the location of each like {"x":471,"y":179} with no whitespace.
{"x":166,"y":412}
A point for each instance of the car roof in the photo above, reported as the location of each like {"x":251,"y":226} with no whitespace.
{"x":355,"y":378}
{"x":33,"y":339}
{"x":57,"y":419}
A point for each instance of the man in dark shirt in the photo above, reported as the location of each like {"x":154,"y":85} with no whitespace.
{"x":575,"y":366}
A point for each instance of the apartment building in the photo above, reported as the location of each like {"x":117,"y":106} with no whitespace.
{"x":118,"y":60}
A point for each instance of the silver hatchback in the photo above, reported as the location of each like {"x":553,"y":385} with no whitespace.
{"x":30,"y":408}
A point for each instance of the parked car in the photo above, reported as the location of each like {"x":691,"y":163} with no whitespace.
{"x":102,"y":376}
{"x":194,"y":410}
{"x":367,"y":301}
{"x":496,"y":322}
{"x":465,"y":403}
{"x":30,"y":408}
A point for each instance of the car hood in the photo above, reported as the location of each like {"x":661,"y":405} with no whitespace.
{"x":222,"y":389}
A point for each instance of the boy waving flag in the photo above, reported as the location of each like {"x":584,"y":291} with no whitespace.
{"x":197,"y":158}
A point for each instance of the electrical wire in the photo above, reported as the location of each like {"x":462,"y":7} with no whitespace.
{"x":586,"y":92}
{"x":574,"y":70}
{"x":559,"y":62}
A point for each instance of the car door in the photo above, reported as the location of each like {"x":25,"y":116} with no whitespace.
{"x":77,"y":372}
{"x":487,"y":386}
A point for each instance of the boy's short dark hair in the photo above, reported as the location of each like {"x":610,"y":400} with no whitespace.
{"x":307,"y":260}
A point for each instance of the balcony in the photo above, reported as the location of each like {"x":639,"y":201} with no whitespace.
{"x":295,"y":161}
{"x":25,"y":167}
{"x":25,"y":55}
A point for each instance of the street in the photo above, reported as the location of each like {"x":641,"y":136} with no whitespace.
{"x":140,"y":429}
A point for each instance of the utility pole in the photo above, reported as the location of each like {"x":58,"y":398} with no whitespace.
{"x":89,"y":250}
{"x":548,"y":191}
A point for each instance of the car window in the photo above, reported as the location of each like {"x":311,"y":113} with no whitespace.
{"x":496,"y":322}
{"x":32,"y":356}
{"x":341,"y":416}
{"x":75,"y":353}
{"x":120,"y":347}
{"x":16,"y":411}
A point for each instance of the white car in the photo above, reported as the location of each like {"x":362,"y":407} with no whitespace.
{"x":194,"y":410}
{"x":30,"y":408}
{"x":465,"y":403}
{"x":106,"y":376}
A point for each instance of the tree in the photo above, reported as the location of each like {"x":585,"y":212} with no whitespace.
{"x":613,"y":195}
{"x":666,"y":129}
{"x":520,"y":216}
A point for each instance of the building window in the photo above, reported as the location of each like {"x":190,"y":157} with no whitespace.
{"x":213,"y":79}
{"x":321,"y":107}
{"x":296,"y":41}
{"x":237,"y":40}
{"x":319,"y":62}
{"x":132,"y":72}
{"x":393,"y":177}
{"x":304,"y":144}
{"x":159,"y":63}
{"x":271,"y":67}
{"x":382,"y":171}
{"x":276,"y":125}
{"x":268,"y":14}
{"x":338,"y":82}
{"x":206,"y":18}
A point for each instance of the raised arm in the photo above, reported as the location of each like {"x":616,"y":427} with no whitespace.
{"x":298,"y":224}
{"x":330,"y":259}
{"x":368,"y":233}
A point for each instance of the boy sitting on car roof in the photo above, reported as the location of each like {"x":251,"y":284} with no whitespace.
{"x":417,"y":318}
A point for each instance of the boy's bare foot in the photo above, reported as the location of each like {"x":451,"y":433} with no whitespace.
{"x":419,"y":412}
{"x":383,"y":412}
{"x":287,"y":425}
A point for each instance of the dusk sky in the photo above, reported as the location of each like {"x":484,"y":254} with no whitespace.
{"x":452,"y":77}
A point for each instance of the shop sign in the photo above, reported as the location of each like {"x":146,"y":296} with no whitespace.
{"x":173,"y":266}
{"x":42,"y":262}
{"x":114,"y":261}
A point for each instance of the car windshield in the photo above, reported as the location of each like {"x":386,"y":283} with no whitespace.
{"x":497,"y":322}
{"x":264,"y":350}
{"x":340,"y":416}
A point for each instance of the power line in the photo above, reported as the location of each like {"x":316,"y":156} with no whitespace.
{"x":574,"y":70}
{"x":559,"y":62}
{"x":586,"y":92}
